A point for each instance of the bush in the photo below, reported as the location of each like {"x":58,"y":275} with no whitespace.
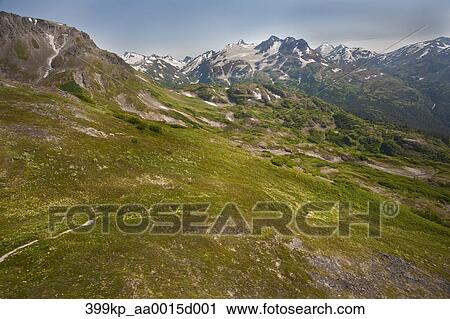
{"x":277,"y":161}
{"x":371,"y":144}
{"x":389,"y":184}
{"x":388,"y":147}
{"x":141,"y":126}
{"x":344,"y":121}
{"x":315,"y":136}
{"x":363,"y":157}
{"x":155,"y":128}
{"x":138,"y":123}
{"x":133,"y":120}
{"x":431,"y":217}
{"x":73,"y":88}
{"x":119,"y":116}
{"x":339,"y":139}
{"x":241,"y":114}
{"x":281,"y":161}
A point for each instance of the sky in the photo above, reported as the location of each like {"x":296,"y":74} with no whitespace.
{"x":182,"y":27}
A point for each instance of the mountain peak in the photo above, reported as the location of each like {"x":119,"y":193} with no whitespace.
{"x":343,"y":54}
{"x":324,"y":49}
{"x":46,"y":46}
{"x":274,"y":38}
{"x":240,"y":43}
{"x":443,"y":39}
{"x":266,"y":45}
{"x":187,"y":59}
{"x":290,"y":44}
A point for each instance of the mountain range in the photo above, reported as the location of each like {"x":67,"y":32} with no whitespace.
{"x":408,"y":86}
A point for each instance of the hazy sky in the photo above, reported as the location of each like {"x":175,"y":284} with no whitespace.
{"x":189,"y":27}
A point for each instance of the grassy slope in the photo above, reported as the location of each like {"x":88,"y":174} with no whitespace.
{"x":45,"y":161}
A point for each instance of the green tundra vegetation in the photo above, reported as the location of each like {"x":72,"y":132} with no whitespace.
{"x":71,"y":146}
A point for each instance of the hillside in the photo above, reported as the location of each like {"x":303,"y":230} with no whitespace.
{"x":95,"y":131}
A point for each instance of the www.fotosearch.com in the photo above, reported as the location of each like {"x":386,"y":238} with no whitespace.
{"x":229,"y":309}
{"x":230,"y":220}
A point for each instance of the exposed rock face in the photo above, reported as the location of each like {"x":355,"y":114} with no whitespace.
{"x":33,"y":49}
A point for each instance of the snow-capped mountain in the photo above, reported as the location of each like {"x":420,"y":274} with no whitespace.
{"x":439,"y":47}
{"x":241,"y":60}
{"x":165,"y":69}
{"x":344,"y":55}
{"x":276,"y":58}
{"x":424,"y":62}
{"x":235,"y":62}
{"x":139,"y":61}
{"x":325,"y":49}
{"x":193,"y":63}
{"x":187,"y":59}
{"x":288,"y":59}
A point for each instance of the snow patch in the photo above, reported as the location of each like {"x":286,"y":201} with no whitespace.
{"x":56,"y":50}
{"x":210,"y":103}
{"x":14,"y":251}
{"x":257,"y":95}
{"x":212,"y":123}
{"x":230,"y":116}
{"x":188,"y":94}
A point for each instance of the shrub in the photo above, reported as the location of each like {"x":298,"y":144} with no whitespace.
{"x":389,"y":184}
{"x":371,"y":144}
{"x":315,"y":136}
{"x":73,"y":88}
{"x":138,"y":123}
{"x":241,"y":114}
{"x":433,"y":217}
{"x":141,"y":126}
{"x":155,"y":128}
{"x":277,"y":161}
{"x":281,"y":161}
{"x":119,"y":116}
{"x":133,"y":120}
{"x":388,"y":147}
{"x":344,"y":121}
{"x":339,"y":139}
{"x":362,"y":157}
